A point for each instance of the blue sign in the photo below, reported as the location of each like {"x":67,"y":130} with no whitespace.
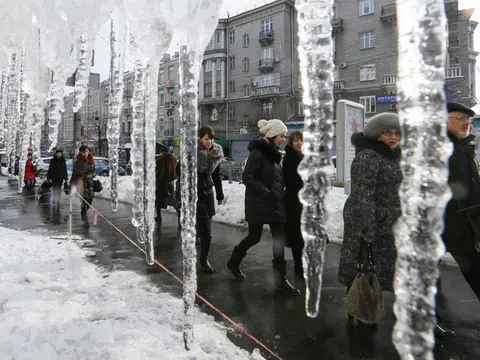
{"x":387,"y":99}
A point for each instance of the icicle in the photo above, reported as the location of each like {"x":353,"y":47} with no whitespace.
{"x":82,"y":75}
{"x":11,"y":114}
{"x":316,"y":64}
{"x":3,"y":97}
{"x":24,"y":139}
{"x":115,"y":98}
{"x":424,"y":191}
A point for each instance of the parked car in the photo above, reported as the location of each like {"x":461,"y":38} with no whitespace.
{"x":42,"y":166}
{"x":102,"y":167}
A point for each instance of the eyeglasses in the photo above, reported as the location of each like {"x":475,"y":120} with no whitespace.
{"x":461,"y":118}
{"x":392,"y":133}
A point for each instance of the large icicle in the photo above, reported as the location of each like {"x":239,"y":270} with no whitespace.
{"x":82,"y":75}
{"x":424,"y":190}
{"x":316,"y":64}
{"x":12,"y":113}
{"x":115,"y":96}
{"x":23,"y":126}
{"x":3,"y":87}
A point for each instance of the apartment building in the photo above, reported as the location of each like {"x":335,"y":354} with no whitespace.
{"x":365,"y":54}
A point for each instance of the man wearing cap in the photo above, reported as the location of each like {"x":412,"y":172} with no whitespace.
{"x":462,"y":215}
{"x":57,"y":174}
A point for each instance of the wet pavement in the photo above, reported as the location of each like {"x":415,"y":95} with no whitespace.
{"x":278,"y":321}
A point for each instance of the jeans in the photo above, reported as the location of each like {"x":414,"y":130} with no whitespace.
{"x":56,"y":194}
{"x":204,"y":232}
{"x":255,"y":234}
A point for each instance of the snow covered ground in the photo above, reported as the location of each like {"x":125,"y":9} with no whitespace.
{"x":57,"y":305}
{"x":233,"y":212}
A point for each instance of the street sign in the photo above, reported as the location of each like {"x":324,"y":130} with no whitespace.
{"x":387,"y":99}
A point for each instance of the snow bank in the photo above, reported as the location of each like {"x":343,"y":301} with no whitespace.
{"x":57,"y":305}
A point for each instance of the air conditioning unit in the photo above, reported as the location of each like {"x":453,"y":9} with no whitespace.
{"x":254,"y":84}
{"x":343,"y":65}
{"x":393,"y":106}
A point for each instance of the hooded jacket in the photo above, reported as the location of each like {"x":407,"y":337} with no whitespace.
{"x":57,"y":170}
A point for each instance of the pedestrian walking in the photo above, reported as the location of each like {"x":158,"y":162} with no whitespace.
{"x":210,"y":155}
{"x":165,"y":195}
{"x":374,"y":204}
{"x":57,"y":174}
{"x":264,"y":201}
{"x":82,"y":176}
{"x":16,"y":166}
{"x":29,"y":176}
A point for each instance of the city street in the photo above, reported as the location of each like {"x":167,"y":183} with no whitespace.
{"x":278,"y":321}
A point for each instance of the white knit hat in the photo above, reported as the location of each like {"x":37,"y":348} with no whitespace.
{"x":381,"y":122}
{"x":272,"y":128}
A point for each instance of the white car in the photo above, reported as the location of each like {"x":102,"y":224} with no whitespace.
{"x":42,"y":166}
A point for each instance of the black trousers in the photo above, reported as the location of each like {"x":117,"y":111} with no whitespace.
{"x":469,"y":265}
{"x":204,"y":232}
{"x":255,"y":234}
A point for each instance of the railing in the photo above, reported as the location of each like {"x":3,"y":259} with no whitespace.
{"x":265,"y":63}
{"x":267,"y":35}
{"x":337,"y":22}
{"x":453,"y":72}
{"x":388,"y":10}
{"x":390,"y":79}
{"x":339,"y":85}
{"x":265,"y":90}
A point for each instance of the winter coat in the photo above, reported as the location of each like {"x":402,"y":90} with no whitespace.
{"x":165,"y":167}
{"x":263,"y":178}
{"x":30,"y":170}
{"x":84,"y":171}
{"x":208,"y":177}
{"x":57,"y":171}
{"x":293,"y":206}
{"x":462,"y":227}
{"x":16,"y":167}
{"x":372,"y":209}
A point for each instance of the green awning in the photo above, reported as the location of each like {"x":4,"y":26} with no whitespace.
{"x":222,"y":143}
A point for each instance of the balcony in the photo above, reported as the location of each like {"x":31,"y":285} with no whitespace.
{"x":337,"y":25}
{"x":266,"y":65}
{"x":169,"y":105}
{"x":208,"y":100}
{"x":453,"y":42}
{"x":390,"y":83}
{"x":339,"y":86}
{"x":453,"y":72}
{"x":167,"y":84}
{"x":265,"y":91}
{"x":388,"y":13}
{"x":266,"y":36}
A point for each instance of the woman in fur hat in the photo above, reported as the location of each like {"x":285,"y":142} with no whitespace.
{"x":210,"y":155}
{"x":264,"y":201}
{"x":373,"y":206}
{"x":82,"y":176}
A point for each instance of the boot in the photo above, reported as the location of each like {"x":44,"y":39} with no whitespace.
{"x":281,"y":282}
{"x":297,"y":259}
{"x":85,"y":219}
{"x":234,"y":263}
{"x":204,"y":263}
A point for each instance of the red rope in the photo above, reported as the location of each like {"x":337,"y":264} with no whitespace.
{"x":180,"y":281}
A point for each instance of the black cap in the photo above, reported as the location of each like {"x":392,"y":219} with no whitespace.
{"x":453,"y":106}
{"x":83,"y":148}
{"x":59,"y":151}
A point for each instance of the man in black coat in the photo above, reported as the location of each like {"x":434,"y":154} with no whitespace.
{"x":57,"y":174}
{"x":462,"y":215}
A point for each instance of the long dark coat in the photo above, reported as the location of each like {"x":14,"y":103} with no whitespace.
{"x":372,"y":209}
{"x":263,"y":178}
{"x":165,"y":177}
{"x":84,"y":171}
{"x":293,"y":206}
{"x":208,"y":175}
{"x":462,"y":227}
{"x":57,"y":171}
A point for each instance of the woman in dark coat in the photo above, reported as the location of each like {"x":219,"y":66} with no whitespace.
{"x":82,"y":176}
{"x":210,"y":155}
{"x":57,"y":174}
{"x":293,"y":206}
{"x":264,"y":201}
{"x":165,"y":168}
{"x":373,"y":206}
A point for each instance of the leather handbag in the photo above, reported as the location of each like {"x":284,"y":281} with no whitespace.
{"x":97,"y":186}
{"x":364,"y":299}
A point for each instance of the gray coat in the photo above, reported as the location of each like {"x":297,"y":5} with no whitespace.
{"x":372,"y":209}
{"x":263,"y":178}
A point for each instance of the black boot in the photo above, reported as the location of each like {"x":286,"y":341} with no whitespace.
{"x":85,"y":218}
{"x":281,"y":282}
{"x":234,"y":263}
{"x":297,"y":259}
{"x":204,"y":250}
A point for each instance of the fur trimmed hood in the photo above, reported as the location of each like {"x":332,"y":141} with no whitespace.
{"x":272,"y":154}
{"x":361,"y":142}
{"x":85,"y":159}
{"x":208,"y":160}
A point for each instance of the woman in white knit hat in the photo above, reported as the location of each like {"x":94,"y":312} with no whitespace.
{"x":264,"y":201}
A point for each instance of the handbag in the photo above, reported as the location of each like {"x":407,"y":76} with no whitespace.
{"x":97,"y":186}
{"x":364,"y":299}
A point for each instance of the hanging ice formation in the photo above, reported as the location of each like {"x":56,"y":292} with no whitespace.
{"x":424,"y":190}
{"x":12,"y":111}
{"x":23,"y":125}
{"x":316,"y":63}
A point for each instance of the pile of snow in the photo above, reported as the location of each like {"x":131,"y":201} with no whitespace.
{"x":57,"y":305}
{"x":233,"y":212}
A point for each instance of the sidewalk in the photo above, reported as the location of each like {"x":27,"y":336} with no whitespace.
{"x":279,"y":322}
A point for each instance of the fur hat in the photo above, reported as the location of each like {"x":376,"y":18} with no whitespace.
{"x":453,"y":106}
{"x":381,"y":122}
{"x":272,"y":128}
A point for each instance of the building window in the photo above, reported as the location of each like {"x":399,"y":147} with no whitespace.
{"x":123,"y":128}
{"x":218,"y":37}
{"x":246,"y":40}
{"x":301,"y":109}
{"x":267,"y":80}
{"x":218,"y":64}
{"x":231,"y":112}
{"x":162,"y":99}
{"x":369,"y":102}
{"x":231,"y":62}
{"x":267,"y":25}
{"x":231,"y":36}
{"x":245,"y":121}
{"x":246,"y":90}
{"x":171,"y":71}
{"x":208,"y":66}
{"x":267,"y":108}
{"x":129,"y":126}
{"x":267,"y":53}
{"x":367,"y":40}
{"x":207,"y":90}
{"x":231,"y":87}
{"x":246,"y":64}
{"x":366,"y":7}
{"x":367,"y":72}
{"x":218,"y":88}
